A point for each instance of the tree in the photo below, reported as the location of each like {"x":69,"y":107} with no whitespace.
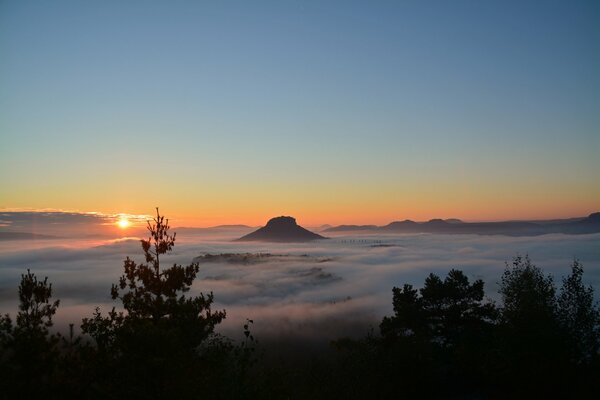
{"x":409,"y":319}
{"x":442,"y":312}
{"x":579,"y":316}
{"x":161,"y":326}
{"x":151,"y":294}
{"x":532,"y":354}
{"x":29,"y":350}
{"x":528,"y":296}
{"x":456,"y":308}
{"x":440,"y":332}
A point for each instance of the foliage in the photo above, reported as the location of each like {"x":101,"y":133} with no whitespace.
{"x":528,"y":296}
{"x":445,"y":341}
{"x":160,"y":326}
{"x":154,"y":295}
{"x":29,"y":353}
{"x":35,"y":309}
{"x":579,"y":316}
{"x":443,"y":328}
{"x":545,"y":339}
{"x":442,"y":312}
{"x":531,"y":342}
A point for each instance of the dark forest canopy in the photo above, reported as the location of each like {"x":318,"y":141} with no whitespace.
{"x":444,"y":340}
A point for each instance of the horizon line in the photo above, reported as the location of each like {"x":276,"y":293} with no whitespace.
{"x":142,"y":218}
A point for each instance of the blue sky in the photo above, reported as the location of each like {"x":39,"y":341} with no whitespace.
{"x":303,"y":107}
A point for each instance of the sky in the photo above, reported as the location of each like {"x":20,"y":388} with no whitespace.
{"x":333,"y":112}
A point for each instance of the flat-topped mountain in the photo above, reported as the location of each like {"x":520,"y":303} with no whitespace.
{"x":281,"y":229}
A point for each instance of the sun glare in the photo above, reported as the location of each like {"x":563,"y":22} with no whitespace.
{"x":123,"y":223}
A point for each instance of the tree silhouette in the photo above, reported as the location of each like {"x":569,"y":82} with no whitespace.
{"x":161,"y":326}
{"x":441,"y":331}
{"x":531,"y":342}
{"x":29,"y":351}
{"x":527,"y":294}
{"x":150,"y":292}
{"x":442,"y":312}
{"x":153,"y":294}
{"x":579,"y":316}
{"x":409,"y":319}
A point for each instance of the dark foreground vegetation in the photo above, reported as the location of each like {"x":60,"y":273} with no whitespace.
{"x":445,"y":340}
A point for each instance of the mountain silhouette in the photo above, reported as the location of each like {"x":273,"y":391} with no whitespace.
{"x":25,"y":236}
{"x":349,"y":228}
{"x":281,"y":229}
{"x":593,"y":218}
{"x":573,"y":226}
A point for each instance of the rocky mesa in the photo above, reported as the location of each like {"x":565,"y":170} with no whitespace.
{"x":281,"y":229}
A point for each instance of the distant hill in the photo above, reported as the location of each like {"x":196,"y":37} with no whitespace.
{"x":322,"y":227}
{"x":24,"y":236}
{"x":406,"y":226}
{"x":582,"y":225}
{"x":281,"y":229}
{"x":593,"y":218}
{"x":347,"y":228}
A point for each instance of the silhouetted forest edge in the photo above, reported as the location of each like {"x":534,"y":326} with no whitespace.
{"x":444,"y":340}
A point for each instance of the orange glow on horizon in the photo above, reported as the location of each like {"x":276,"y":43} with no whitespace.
{"x":337,"y":211}
{"x":377,"y":200}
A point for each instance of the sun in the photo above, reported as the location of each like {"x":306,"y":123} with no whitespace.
{"x":123,"y":223}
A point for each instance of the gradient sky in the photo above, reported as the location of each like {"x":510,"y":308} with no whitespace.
{"x":334,"y":112}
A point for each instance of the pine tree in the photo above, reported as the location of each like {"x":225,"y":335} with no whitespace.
{"x":28,"y":350}
{"x":154,"y":342}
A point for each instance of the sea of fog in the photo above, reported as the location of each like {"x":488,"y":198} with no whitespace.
{"x":325,"y":289}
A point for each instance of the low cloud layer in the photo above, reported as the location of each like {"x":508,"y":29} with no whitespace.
{"x":329,"y":288}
